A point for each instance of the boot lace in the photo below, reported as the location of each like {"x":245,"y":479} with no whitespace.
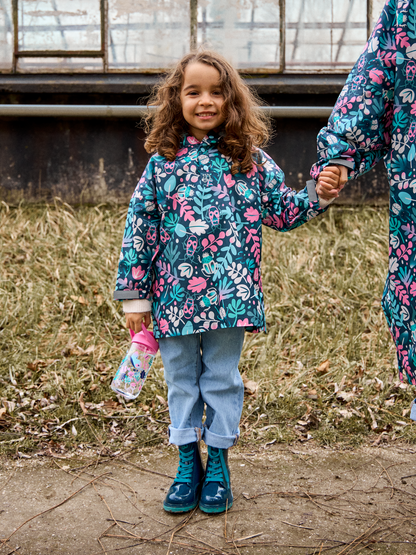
{"x":214,"y":468}
{"x":185,"y":468}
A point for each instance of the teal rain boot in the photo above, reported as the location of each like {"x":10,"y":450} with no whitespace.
{"x":183,"y":494}
{"x":216,"y":495}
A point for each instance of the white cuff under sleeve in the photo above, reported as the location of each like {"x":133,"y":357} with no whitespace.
{"x":137,"y":305}
{"x":324,"y":203}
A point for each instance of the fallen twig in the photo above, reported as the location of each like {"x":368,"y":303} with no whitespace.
{"x":52,"y":508}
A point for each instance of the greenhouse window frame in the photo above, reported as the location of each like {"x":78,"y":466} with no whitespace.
{"x":194,"y":25}
{"x":102,"y":53}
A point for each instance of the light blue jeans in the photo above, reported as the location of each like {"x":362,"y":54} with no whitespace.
{"x":203,"y":369}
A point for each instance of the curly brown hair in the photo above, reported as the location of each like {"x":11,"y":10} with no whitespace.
{"x":245,"y":127}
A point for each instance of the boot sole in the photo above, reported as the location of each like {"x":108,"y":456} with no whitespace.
{"x":215,"y":509}
{"x":176,"y":509}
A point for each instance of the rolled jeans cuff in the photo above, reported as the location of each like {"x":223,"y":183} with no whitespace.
{"x":182,"y":436}
{"x":413,"y":410}
{"x":220,"y":442}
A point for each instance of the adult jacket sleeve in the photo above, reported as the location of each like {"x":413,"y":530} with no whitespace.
{"x":359,"y":128}
{"x":140,"y":241}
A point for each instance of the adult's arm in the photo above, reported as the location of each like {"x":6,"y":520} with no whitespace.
{"x":358,"y":133}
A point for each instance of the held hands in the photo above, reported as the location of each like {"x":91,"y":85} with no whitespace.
{"x":331,"y":181}
{"x":134,"y":320}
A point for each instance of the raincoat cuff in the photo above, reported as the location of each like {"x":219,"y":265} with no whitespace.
{"x":137,"y":305}
{"x":313,"y":197}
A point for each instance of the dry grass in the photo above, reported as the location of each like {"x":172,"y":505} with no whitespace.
{"x":62,"y":336}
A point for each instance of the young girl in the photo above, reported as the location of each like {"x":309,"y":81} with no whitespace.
{"x":191,"y":256}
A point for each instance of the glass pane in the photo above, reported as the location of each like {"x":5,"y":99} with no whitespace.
{"x":60,"y":65}
{"x":59,"y":25}
{"x":324,"y":35}
{"x":6,"y":35}
{"x":147,"y":35}
{"x":378,"y":6}
{"x":245,"y":31}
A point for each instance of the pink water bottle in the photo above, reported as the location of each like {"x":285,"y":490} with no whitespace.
{"x":135,"y":366}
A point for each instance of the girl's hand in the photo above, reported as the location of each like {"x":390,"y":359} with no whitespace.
{"x":331,"y":181}
{"x":134,"y":320}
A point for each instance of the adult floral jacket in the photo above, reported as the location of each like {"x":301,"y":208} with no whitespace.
{"x":192,"y":239}
{"x":374,"y":118}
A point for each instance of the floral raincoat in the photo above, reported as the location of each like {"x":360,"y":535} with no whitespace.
{"x":374,"y":118}
{"x":192,"y":240}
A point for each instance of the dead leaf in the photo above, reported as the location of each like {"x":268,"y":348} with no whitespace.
{"x":346,"y":396}
{"x":102,"y":367}
{"x":374,"y":424}
{"x":323,"y":367}
{"x":81,"y":300}
{"x":379,"y":384}
{"x":161,"y":400}
{"x":346,"y":413}
{"x":79,"y":351}
{"x":9,"y":406}
{"x":99,"y":299}
{"x":390,"y":402}
{"x":2,"y":411}
{"x":36,"y":364}
{"x":251,"y":387}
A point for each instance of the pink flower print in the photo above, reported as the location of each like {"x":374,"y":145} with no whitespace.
{"x":252,"y":214}
{"x":252,"y":172}
{"x":214,"y":325}
{"x":242,"y":323}
{"x":137,"y":273}
{"x":182,"y":152}
{"x":192,"y":141}
{"x":413,"y":110}
{"x":197,"y":284}
{"x":163,"y":325}
{"x":158,"y":287}
{"x":228,"y":178}
{"x":376,"y":75}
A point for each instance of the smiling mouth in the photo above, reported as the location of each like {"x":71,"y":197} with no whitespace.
{"x":206,"y":114}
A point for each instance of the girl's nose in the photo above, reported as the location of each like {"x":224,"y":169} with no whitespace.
{"x":205,"y":99}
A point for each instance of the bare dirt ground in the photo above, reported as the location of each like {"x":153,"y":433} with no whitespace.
{"x":288,"y":499}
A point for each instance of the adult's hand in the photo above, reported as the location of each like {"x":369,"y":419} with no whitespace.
{"x":331,"y":181}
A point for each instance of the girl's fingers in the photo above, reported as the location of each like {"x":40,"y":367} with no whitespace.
{"x":147,"y":320}
{"x":134,"y":320}
{"x":329,"y":178}
{"x":327,"y":186}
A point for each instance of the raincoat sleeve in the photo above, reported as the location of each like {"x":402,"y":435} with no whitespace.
{"x":140,"y":241}
{"x":282,"y":207}
{"x":358,"y":133}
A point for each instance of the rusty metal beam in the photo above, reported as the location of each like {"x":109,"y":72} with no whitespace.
{"x":282,"y":31}
{"x":193,"y":24}
{"x":369,"y":17}
{"x":86,"y":111}
{"x":15,"y":34}
{"x":143,"y":83}
{"x":104,"y":33}
{"x":59,"y":54}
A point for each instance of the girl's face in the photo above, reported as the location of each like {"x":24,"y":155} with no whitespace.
{"x":202,"y":99}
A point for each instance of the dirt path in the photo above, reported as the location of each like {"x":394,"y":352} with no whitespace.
{"x":287,"y":500}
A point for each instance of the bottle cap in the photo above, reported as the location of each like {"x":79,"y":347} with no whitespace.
{"x":145,"y":338}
